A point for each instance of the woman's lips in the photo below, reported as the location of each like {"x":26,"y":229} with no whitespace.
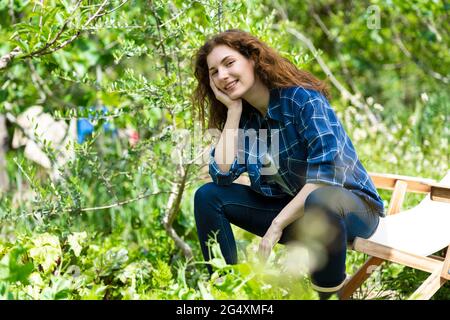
{"x":232,"y":85}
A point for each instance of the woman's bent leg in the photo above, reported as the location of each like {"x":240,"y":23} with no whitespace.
{"x":216,"y":207}
{"x":345,"y":216}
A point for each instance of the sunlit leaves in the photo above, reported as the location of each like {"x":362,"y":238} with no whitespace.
{"x":136,"y":61}
{"x":46,"y":252}
{"x":76,"y":241}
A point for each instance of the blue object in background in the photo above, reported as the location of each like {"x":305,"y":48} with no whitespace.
{"x":86,"y":128}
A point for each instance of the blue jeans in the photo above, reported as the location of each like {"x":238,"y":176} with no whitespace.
{"x":346,"y":215}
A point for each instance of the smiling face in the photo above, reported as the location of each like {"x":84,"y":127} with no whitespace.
{"x":231,"y":72}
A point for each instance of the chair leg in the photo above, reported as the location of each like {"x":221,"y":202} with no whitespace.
{"x":429,"y":287}
{"x":446,"y":268}
{"x":359,"y":277}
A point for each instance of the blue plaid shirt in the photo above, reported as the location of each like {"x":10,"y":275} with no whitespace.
{"x":313,"y":147}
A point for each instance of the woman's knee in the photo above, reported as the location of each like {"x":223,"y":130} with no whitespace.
{"x":208,"y":199}
{"x":205,"y":193}
{"x":321,"y":198}
{"x":321,"y":211}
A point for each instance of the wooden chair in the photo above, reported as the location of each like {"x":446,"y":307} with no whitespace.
{"x":409,"y":237}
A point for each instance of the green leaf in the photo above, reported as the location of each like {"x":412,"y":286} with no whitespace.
{"x":11,"y":268}
{"x":3,"y":95}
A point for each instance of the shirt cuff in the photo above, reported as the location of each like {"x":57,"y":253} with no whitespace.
{"x":325,"y":173}
{"x":219,"y":177}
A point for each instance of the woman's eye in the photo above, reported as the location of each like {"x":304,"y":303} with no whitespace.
{"x":228,"y":64}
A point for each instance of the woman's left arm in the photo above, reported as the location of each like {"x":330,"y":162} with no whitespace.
{"x":291,"y":212}
{"x":315,"y":122}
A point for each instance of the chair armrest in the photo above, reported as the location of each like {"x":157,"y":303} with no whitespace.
{"x":415,"y":184}
{"x":438,"y":191}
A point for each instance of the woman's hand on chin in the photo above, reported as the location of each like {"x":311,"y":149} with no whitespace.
{"x":232,"y":105}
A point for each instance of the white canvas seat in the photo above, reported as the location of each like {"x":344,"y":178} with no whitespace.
{"x":422,"y":230}
{"x":409,"y":237}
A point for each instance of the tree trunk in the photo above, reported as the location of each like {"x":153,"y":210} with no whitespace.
{"x":7,"y":58}
{"x":4,"y":181}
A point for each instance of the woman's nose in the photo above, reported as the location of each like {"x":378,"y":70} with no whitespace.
{"x":222,"y":75}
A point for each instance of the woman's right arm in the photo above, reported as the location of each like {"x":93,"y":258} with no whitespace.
{"x":224,"y":167}
{"x":227,"y":147}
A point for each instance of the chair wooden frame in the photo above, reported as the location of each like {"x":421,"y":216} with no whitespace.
{"x":438,"y":267}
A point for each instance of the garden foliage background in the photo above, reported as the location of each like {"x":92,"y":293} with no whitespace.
{"x":118,"y":222}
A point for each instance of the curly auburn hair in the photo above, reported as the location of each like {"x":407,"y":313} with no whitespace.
{"x":274,"y":71}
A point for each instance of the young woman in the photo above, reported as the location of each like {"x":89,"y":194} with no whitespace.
{"x":248,"y":86}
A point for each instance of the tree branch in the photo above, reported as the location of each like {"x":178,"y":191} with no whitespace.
{"x":158,"y":27}
{"x":344,"y":92}
{"x":417,"y":62}
{"x":58,"y":35}
{"x":118,"y":204}
{"x":76,"y":35}
{"x":346,"y":72}
{"x":47,"y":49}
{"x":4,"y":180}
{"x":40,"y":16}
{"x":38,"y":214}
{"x":114,"y":9}
{"x":177,"y":14}
{"x":173,"y":205}
{"x":11,"y":12}
{"x":7,"y":58}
